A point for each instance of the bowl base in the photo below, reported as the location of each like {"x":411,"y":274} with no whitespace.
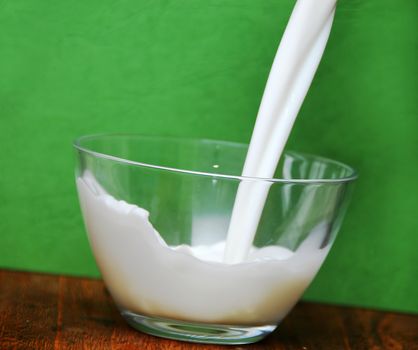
{"x":197,"y":332}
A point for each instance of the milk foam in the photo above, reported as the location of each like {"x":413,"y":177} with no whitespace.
{"x":148,"y":277}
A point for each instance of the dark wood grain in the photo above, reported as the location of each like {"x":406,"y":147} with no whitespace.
{"x":56,"y":312}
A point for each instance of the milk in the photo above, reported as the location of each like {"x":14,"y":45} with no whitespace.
{"x":229,"y":282}
{"x":293,"y":69}
{"x":191,"y":283}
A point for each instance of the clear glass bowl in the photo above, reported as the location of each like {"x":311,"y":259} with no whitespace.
{"x":157,"y":212}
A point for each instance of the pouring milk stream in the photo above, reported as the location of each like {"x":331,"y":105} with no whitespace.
{"x":293,"y":69}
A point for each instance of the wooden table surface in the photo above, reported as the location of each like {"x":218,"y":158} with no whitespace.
{"x":39,"y":311}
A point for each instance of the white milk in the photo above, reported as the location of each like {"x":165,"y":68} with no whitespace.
{"x":293,"y":69}
{"x":147,"y":277}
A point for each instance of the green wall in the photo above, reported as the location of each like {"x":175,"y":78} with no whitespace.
{"x":197,"y":68}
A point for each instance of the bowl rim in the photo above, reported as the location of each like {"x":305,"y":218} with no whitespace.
{"x":352,"y":173}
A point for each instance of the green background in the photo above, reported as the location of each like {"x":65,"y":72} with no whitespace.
{"x":197,"y":68}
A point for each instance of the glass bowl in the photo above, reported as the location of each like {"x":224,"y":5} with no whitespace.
{"x":157,"y":213}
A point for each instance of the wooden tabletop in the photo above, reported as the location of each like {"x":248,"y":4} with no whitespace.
{"x":39,"y":311}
